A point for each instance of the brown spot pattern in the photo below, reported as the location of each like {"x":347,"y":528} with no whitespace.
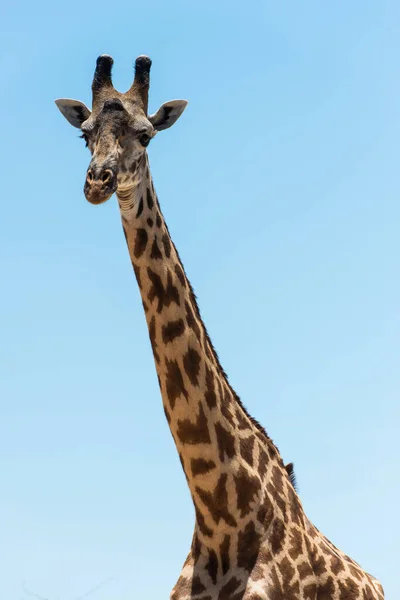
{"x":262,"y":462}
{"x":164,"y":295}
{"x":296,"y":543}
{"x":194,"y":433}
{"x":197,"y":586}
{"x":247,"y":448}
{"x":271,"y":448}
{"x":247,"y":488}
{"x":327,"y":591}
{"x":276,"y":589}
{"x":200,"y":466}
{"x":279,"y":500}
{"x":167,"y":245}
{"x":296,"y":510}
{"x":152,"y":335}
{"x":287,"y":570}
{"x":291,"y":591}
{"x":191,"y":321}
{"x":140,"y":242}
{"x":212,"y":566}
{"x":355,"y":572}
{"x":140,"y":208}
{"x":248,"y":547}
{"x":150,"y":201}
{"x":180,"y":274}
{"x":264,"y":558}
{"x":196,"y":548}
{"x":319,"y":565}
{"x":277,"y":535}
{"x":226,"y":408}
{"x":277,"y":479}
{"x":174,"y":382}
{"x":229,"y":589}
{"x":266,"y":512}
{"x":224,"y":554}
{"x":304,"y":570}
{"x":349,"y":589}
{"x":172,"y":330}
{"x":210,"y":396}
{"x":310,"y":592}
{"x":201,"y":524}
{"x":191,"y":364}
{"x":242,"y":421}
{"x":217,"y":502}
{"x":225,"y":441}
{"x":155,"y":251}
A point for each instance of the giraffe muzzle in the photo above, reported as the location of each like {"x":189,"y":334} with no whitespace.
{"x":100,"y":184}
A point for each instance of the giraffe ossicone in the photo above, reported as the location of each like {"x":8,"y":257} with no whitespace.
{"x":252,"y":539}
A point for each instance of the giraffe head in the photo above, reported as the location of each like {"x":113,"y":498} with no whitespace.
{"x":118,"y":129}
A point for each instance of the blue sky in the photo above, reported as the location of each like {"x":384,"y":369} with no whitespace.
{"x":280,"y":187}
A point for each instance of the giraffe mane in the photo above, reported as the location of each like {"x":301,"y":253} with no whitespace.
{"x":254,"y":421}
{"x":292,"y":475}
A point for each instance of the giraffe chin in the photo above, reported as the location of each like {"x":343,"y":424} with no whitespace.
{"x":98,"y":196}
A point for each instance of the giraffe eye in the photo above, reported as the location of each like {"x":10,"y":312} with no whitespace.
{"x":85,"y":137}
{"x":144,"y":139}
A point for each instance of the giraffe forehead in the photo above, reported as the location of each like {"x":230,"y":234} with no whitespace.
{"x":115,"y":112}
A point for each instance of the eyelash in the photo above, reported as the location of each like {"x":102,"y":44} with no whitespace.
{"x":85,"y":137}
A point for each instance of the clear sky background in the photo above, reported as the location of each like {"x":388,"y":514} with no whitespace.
{"x":280,"y":185}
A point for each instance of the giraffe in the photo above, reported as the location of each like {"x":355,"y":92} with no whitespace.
{"x":252,"y":539}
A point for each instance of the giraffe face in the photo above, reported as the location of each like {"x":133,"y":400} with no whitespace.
{"x":117,"y":139}
{"x":117,"y":130}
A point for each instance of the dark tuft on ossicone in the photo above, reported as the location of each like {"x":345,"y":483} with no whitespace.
{"x":102,"y":74}
{"x":142,"y":70}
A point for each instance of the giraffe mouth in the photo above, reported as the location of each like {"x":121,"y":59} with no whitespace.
{"x":100,"y":186}
{"x":98,"y":198}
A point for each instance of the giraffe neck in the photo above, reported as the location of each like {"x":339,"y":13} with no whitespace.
{"x":227,"y":457}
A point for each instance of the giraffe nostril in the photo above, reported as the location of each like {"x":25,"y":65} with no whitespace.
{"x":89,"y":176}
{"x":106,"y":176}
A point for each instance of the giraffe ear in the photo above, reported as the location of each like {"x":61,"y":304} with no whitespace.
{"x":74,"y":111}
{"x":167,"y":114}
